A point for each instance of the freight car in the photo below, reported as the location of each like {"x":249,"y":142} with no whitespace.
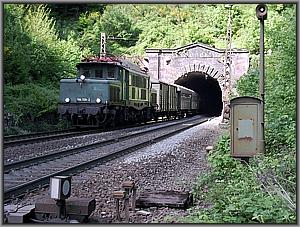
{"x":109,"y":90}
{"x":187,"y":101}
{"x":166,"y":99}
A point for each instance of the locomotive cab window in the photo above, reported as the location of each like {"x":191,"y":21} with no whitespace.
{"x":138,"y":81}
{"x":110,"y":72}
{"x":99,"y":71}
{"x":86,"y":73}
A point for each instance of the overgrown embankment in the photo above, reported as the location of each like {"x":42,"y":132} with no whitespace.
{"x":263,"y":191}
{"x":34,"y":61}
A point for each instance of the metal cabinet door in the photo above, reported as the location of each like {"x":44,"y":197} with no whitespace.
{"x":245,"y":130}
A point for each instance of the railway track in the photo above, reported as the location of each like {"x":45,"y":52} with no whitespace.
{"x":17,"y":140}
{"x":28,"y":175}
{"x":43,"y":136}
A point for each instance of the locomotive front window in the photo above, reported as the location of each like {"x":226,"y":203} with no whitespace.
{"x":99,"y":73}
{"x":86,"y":73}
{"x":111,"y":72}
{"x":131,"y":80}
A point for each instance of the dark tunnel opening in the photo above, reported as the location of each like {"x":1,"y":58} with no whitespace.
{"x":208,"y":89}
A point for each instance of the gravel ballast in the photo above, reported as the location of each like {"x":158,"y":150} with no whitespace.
{"x":172,"y":164}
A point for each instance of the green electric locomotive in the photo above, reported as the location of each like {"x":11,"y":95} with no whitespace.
{"x":107,"y":90}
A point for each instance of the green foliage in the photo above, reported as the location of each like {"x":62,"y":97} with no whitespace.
{"x":164,"y":25}
{"x":247,"y":29}
{"x":15,"y":61}
{"x":249,"y":84}
{"x":178,"y":25}
{"x":34,"y":57}
{"x":281,"y":82}
{"x":71,"y":11}
{"x":88,"y":31}
{"x":161,"y":25}
{"x":237,"y":192}
{"x":27,"y":102}
{"x":263,"y":191}
{"x":115,"y":22}
{"x":33,"y":50}
{"x":67,"y":15}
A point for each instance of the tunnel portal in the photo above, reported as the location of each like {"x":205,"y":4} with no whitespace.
{"x":208,"y":89}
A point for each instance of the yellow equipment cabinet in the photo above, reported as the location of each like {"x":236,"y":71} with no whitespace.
{"x":246,"y":126}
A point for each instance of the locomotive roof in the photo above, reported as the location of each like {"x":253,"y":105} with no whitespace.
{"x":113,"y":61}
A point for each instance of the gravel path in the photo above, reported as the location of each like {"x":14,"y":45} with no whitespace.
{"x":172,"y":164}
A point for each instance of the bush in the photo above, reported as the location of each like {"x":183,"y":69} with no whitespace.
{"x":35,"y":59}
{"x":237,"y":193}
{"x":33,"y":51}
{"x":27,"y":102}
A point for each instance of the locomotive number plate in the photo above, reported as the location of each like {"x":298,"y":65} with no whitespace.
{"x":83,"y":99}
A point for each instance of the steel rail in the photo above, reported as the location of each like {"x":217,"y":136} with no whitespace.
{"x":31,"y":138}
{"x":24,"y":188}
{"x":41,"y":136}
{"x":37,"y":134}
{"x":59,"y":154}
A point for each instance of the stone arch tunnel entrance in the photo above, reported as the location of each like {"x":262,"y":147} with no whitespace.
{"x":208,"y":89}
{"x":203,"y":67}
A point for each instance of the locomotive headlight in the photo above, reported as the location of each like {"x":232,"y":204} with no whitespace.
{"x":98,"y":100}
{"x":82,"y":77}
{"x":67,"y":99}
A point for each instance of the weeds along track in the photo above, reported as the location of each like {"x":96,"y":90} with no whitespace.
{"x":31,"y":174}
